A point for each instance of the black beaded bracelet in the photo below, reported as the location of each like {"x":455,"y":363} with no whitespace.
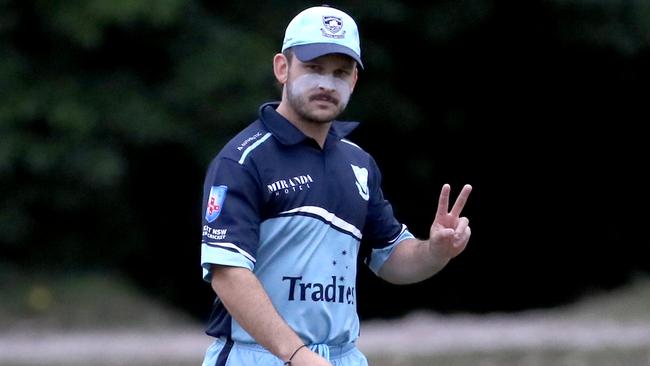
{"x":288,"y":362}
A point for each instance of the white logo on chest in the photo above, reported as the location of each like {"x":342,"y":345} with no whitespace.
{"x":361,"y":176}
{"x":293,"y":184}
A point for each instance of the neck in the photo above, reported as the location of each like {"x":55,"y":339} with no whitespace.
{"x":316,"y":130}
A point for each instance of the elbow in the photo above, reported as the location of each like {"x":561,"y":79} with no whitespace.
{"x":395,"y":278}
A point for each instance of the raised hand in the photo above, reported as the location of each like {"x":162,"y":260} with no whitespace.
{"x":450,"y":232}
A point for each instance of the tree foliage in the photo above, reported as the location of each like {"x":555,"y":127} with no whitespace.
{"x":110,"y":110}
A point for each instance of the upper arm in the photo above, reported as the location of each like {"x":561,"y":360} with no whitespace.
{"x":231,"y":216}
{"x":221,"y":275}
{"x":382,"y":231}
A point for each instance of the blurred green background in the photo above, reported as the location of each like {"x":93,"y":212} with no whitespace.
{"x":110,"y":112}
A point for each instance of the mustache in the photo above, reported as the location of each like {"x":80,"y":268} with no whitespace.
{"x":324,"y":97}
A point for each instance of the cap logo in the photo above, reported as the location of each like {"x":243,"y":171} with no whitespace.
{"x":332,"y":25}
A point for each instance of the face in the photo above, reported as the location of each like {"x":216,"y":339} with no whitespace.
{"x":319,"y":90}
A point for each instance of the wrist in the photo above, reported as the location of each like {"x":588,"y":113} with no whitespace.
{"x":288,"y":361}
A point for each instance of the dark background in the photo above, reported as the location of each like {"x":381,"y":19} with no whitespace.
{"x":109,"y":115}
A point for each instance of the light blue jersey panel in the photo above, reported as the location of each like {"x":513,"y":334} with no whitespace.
{"x":307,"y":265}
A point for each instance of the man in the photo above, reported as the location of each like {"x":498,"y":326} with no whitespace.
{"x":286,"y":204}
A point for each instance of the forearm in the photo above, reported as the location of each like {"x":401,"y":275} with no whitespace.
{"x":412,"y":261}
{"x":247,"y":302}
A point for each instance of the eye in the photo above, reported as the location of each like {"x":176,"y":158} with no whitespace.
{"x":313,"y":67}
{"x":341,"y":73}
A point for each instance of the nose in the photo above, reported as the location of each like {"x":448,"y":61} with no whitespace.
{"x":326,"y":82}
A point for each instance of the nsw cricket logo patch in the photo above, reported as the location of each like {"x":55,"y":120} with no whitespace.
{"x":215,"y":202}
{"x":361,"y":176}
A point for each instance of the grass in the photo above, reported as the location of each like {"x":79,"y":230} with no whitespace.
{"x":79,"y":301}
{"x":90,"y":301}
{"x":613,"y":357}
{"x":605,"y":357}
{"x":629,"y":304}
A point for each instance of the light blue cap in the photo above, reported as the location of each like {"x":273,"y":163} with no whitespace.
{"x":322,"y":30}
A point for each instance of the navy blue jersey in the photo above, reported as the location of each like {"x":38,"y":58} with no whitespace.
{"x":295,"y":215}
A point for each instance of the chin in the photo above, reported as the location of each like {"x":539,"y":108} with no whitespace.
{"x":324,"y":116}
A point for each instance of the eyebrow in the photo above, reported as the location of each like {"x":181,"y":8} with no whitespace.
{"x":347,"y":62}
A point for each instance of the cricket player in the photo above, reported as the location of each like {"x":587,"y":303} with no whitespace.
{"x":289,"y":201}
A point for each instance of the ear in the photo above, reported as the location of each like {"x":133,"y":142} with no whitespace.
{"x":281,"y":68}
{"x":355,"y":76}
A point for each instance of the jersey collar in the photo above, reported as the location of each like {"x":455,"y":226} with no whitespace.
{"x":288,"y":134}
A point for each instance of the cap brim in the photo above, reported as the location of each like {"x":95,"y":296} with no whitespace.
{"x":308,"y":52}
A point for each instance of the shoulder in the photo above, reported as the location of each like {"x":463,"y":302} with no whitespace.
{"x":342,"y":129}
{"x":354,"y":147}
{"x":242,"y":145}
{"x":360,"y":159}
{"x":354,"y":150}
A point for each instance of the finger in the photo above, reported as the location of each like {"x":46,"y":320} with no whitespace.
{"x":441,"y":236}
{"x":465,"y":238}
{"x":460,"y":245}
{"x":443,"y":200}
{"x":463,"y":224}
{"x":461,"y":200}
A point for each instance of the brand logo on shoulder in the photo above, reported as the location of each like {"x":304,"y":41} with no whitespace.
{"x":248,"y":141}
{"x":361,"y":176}
{"x":215,"y":202}
{"x":289,"y":185}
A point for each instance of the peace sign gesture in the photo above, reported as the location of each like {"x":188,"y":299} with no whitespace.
{"x":450,"y":232}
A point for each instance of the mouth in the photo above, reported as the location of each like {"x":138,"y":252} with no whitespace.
{"x":324,"y":98}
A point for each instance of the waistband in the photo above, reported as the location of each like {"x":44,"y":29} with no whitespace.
{"x":327,"y":351}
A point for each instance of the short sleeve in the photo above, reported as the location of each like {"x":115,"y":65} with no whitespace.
{"x":230,"y":216}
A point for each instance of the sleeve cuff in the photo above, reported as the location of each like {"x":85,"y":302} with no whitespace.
{"x":226,"y":254}
{"x":379,"y":256}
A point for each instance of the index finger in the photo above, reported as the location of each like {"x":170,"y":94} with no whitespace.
{"x":443,"y":200}
{"x":461,"y":200}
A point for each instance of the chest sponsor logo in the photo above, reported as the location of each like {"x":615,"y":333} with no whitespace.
{"x":290,"y":185}
{"x":332,"y":291}
{"x":361,"y":177}
{"x":215,"y":202}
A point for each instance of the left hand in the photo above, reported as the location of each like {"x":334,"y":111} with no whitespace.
{"x":449,"y":232}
